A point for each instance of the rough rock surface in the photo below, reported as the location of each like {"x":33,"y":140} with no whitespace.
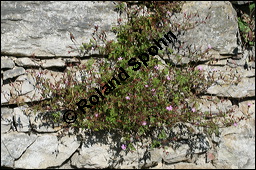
{"x":207,"y":32}
{"x":43,"y":27}
{"x":37,"y":36}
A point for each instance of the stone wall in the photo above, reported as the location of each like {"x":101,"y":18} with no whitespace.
{"x":35,"y":37}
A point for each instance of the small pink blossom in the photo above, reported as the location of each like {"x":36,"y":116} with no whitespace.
{"x":153,"y":90}
{"x":123,"y":146}
{"x":193,"y":109}
{"x":156,"y":67}
{"x":146,"y":85}
{"x":235,"y":124}
{"x":169,"y":108}
{"x":168,"y":78}
{"x":120,"y":58}
{"x":127,"y":97}
{"x":96,"y":115}
{"x":168,"y":13}
{"x":249,"y":104}
{"x":200,"y":68}
{"x":39,"y":74}
{"x":144,"y":123}
{"x":209,"y":46}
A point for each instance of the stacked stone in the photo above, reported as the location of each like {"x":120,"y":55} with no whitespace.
{"x":41,"y":29}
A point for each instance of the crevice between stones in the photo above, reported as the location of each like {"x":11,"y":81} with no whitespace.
{"x":68,"y":159}
{"x":25,"y":150}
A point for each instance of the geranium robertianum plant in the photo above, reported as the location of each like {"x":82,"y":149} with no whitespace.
{"x":154,"y":96}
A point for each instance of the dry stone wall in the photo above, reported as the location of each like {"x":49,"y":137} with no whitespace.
{"x":35,"y":36}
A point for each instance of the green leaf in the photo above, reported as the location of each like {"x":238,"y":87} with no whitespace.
{"x":252,"y":7}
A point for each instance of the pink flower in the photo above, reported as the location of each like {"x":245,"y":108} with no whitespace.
{"x":209,"y":46}
{"x":193,"y":109}
{"x":144,"y":123}
{"x":168,"y":13}
{"x":39,"y":74}
{"x":156,"y":67}
{"x":168,"y":78}
{"x":235,"y":124}
{"x":200,"y":68}
{"x":153,"y":90}
{"x":120,"y":58}
{"x":123,"y":146}
{"x":169,"y":108}
{"x":146,"y":85}
{"x":127,"y":97}
{"x":96,"y":115}
{"x":249,"y":104}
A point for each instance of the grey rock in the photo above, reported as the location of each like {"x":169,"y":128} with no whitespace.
{"x":251,"y":65}
{"x":181,"y":131}
{"x":223,"y":44}
{"x":5,"y":93}
{"x":215,"y":107}
{"x":156,"y":155}
{"x":178,"y":155}
{"x":6,"y":111}
{"x":245,"y":88}
{"x":13,"y":73}
{"x":21,"y":120}
{"x":134,"y":160}
{"x":6,"y":159}
{"x":25,"y":62}
{"x":200,"y":144}
{"x":44,"y":122}
{"x":41,"y":154}
{"x":6,"y":119}
{"x":27,"y":77}
{"x":252,"y":54}
{"x":13,"y":145}
{"x":215,"y":138}
{"x":35,"y":95}
{"x":43,"y":27}
{"x":46,"y":151}
{"x":237,"y":146}
{"x":6,"y":63}
{"x":27,"y":86}
{"x":212,"y":36}
{"x":53,"y":63}
{"x":182,"y":165}
{"x":235,"y":63}
{"x":16,"y":89}
{"x":93,"y":156}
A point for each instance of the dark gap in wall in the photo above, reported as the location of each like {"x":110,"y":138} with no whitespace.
{"x":30,"y":67}
{"x":57,"y":69}
{"x":9,"y":80}
{"x":10,"y":106}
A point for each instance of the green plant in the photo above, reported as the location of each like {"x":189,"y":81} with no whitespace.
{"x":154,"y":96}
{"x":246,"y":23}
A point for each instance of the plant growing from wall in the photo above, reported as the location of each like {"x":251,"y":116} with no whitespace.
{"x":157,"y":95}
{"x":246,"y":23}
